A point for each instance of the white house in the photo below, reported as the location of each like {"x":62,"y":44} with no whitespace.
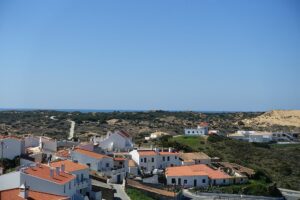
{"x":114,"y":141}
{"x":50,"y":180}
{"x":196,"y":176}
{"x":148,"y":160}
{"x":252,"y":136}
{"x":202,"y":129}
{"x":45,"y":143}
{"x":95,"y":161}
{"x":156,"y":135}
{"x":11,"y":146}
{"x":101,"y":163}
{"x":82,"y":182}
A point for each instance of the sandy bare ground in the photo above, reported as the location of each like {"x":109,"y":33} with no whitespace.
{"x":276,"y":117}
{"x":72,"y":128}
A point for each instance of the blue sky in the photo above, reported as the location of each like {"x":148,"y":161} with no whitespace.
{"x":173,"y":55}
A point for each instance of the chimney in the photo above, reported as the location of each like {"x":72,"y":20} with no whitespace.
{"x":170,"y":149}
{"x":51,"y":172}
{"x":57,"y":171}
{"x":23,"y":191}
{"x":63,"y":168}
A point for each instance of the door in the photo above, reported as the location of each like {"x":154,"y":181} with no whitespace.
{"x":195,"y":182}
{"x":119,"y":178}
{"x":179,"y":181}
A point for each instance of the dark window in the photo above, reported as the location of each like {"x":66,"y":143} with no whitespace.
{"x":164,"y":158}
{"x":179,"y":181}
{"x":195,"y":182}
{"x":173,"y":181}
{"x":107,"y":164}
{"x":175,"y":157}
{"x":168,"y":158}
{"x":224,"y":181}
{"x":120,"y":163}
{"x":64,"y":188}
{"x":185,"y":181}
{"x":242,"y":180}
{"x":145,"y":160}
{"x":141,"y":159}
{"x":69,"y":185}
{"x":81,"y":177}
{"x":203,"y":180}
{"x":152,"y":159}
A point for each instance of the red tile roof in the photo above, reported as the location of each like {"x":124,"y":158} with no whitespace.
{"x":10,"y":137}
{"x":63,"y":153}
{"x":123,"y":134}
{"x":70,"y":166}
{"x":153,"y":153}
{"x":196,"y":170}
{"x":119,"y":159}
{"x":43,"y":172}
{"x":13,"y":194}
{"x":91,"y":154}
{"x":203,"y":124}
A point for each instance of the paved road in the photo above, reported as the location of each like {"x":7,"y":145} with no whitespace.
{"x":290,"y":194}
{"x":72,"y":128}
{"x":120,"y":192}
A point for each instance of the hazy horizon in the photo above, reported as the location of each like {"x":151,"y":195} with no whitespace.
{"x":150,"y":55}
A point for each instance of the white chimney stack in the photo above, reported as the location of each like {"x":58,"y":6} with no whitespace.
{"x":63,"y":168}
{"x":57,"y":171}
{"x":23,"y":191}
{"x":51,"y":172}
{"x":170,"y":149}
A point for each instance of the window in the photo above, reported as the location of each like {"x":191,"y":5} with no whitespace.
{"x":173,"y":181}
{"x":81,"y":177}
{"x":175,"y":157}
{"x":69,"y":185}
{"x":141,"y":159}
{"x":120,"y":163}
{"x":193,"y":131}
{"x":164,"y":158}
{"x":203,"y":180}
{"x":185,"y":181}
{"x":168,"y":158}
{"x":188,"y":131}
{"x":224,"y":181}
{"x":195,"y":182}
{"x":152,"y":159}
{"x":145,"y":160}
{"x":64,"y":188}
{"x":179,"y":181}
{"x":107,"y":164}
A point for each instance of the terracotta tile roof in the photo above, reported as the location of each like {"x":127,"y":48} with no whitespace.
{"x":153,"y":153}
{"x":203,"y":124}
{"x":147,"y":153}
{"x":119,"y":159}
{"x":63,"y":153}
{"x":193,"y":156}
{"x":43,"y":172}
{"x":13,"y":194}
{"x":123,"y":134}
{"x":131,"y":163}
{"x":10,"y":137}
{"x":91,"y":154}
{"x":70,"y":166}
{"x":196,"y":170}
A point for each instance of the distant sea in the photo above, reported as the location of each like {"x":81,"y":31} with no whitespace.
{"x":111,"y":110}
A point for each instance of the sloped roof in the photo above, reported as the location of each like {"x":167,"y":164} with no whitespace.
{"x":91,"y":154}
{"x":70,"y":166}
{"x":13,"y":194}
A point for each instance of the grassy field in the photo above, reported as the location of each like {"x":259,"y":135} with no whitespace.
{"x":135,"y":194}
{"x":280,"y":162}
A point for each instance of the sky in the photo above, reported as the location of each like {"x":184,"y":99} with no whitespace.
{"x":213,"y":55}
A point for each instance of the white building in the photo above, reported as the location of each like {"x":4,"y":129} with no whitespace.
{"x":49,"y":180}
{"x":202,"y":129}
{"x":114,"y":141}
{"x":196,"y":176}
{"x":103,"y":164}
{"x":11,"y":146}
{"x":45,"y":143}
{"x":252,"y":136}
{"x":148,"y":160}
{"x":82,"y":182}
{"x":156,"y":135}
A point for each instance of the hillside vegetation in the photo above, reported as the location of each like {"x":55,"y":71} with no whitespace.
{"x":279,"y":162}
